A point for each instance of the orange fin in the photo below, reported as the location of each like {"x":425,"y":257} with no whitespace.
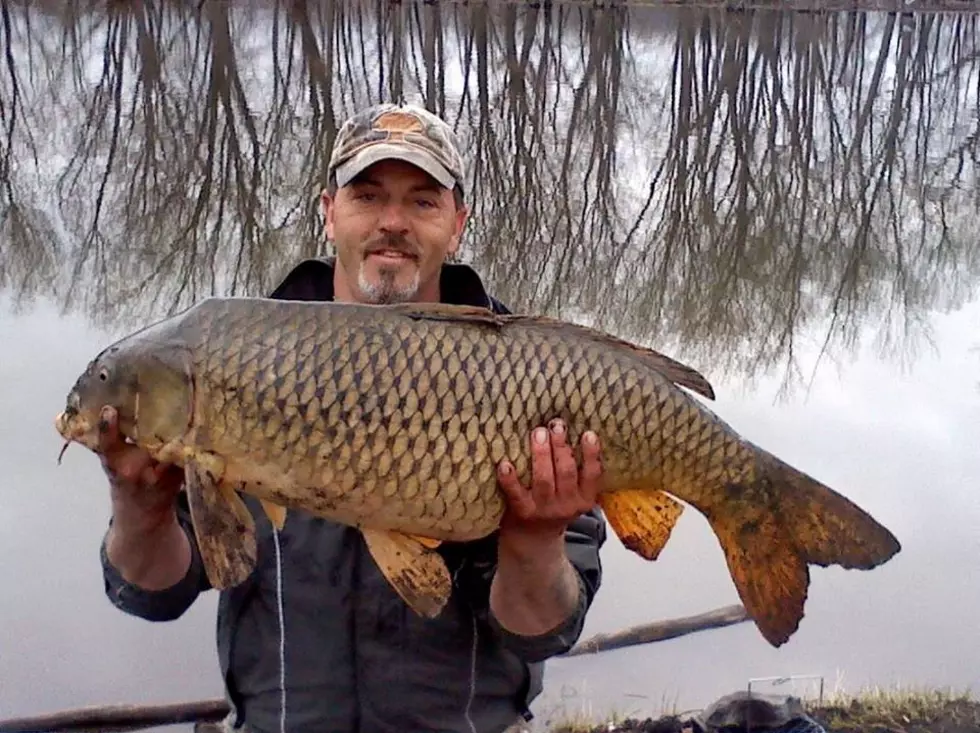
{"x":770,"y":576}
{"x":275,"y":512}
{"x":827,"y":528}
{"x":428,"y":542}
{"x":417,"y":573}
{"x":772,"y":527}
{"x":642,"y":519}
{"x":222,"y":523}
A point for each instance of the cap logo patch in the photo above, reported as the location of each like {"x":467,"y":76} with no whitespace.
{"x":398,"y":122}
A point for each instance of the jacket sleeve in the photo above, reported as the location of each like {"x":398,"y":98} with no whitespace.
{"x":583,"y":540}
{"x":159,"y":605}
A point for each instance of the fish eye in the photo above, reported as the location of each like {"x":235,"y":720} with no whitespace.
{"x":104,"y":374}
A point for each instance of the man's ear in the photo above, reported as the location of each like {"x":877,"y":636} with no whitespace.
{"x":462,"y":216}
{"x":327,"y":206}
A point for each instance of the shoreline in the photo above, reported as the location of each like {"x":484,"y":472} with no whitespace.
{"x":866,"y":711}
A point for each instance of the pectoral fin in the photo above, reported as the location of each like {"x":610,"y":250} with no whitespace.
{"x":223,"y":525}
{"x":417,"y":573}
{"x":428,"y":542}
{"x":275,"y":512}
{"x":642,"y":519}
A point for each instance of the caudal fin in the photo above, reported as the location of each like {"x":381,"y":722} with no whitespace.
{"x":773,"y":529}
{"x":828,"y":528}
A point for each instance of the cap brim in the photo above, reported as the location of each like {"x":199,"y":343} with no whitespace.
{"x":418,"y":157}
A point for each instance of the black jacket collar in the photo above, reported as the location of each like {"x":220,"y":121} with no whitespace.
{"x":312,"y":279}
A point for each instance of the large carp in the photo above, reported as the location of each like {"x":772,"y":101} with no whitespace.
{"x":393,"y":419}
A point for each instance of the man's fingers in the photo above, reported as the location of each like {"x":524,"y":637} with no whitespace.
{"x":168,"y":472}
{"x":169,"y":477}
{"x":109,"y":439}
{"x":591,"y":474}
{"x":124,"y":464}
{"x":519,"y":499}
{"x":566,"y":470}
{"x":121,"y":460}
{"x":558,"y":487}
{"x":542,"y":467}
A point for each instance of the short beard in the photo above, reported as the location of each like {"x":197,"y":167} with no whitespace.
{"x":387,"y":291}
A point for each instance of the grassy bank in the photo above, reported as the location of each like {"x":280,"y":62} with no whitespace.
{"x":871,"y":711}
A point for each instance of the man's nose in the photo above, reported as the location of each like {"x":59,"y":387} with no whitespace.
{"x":393,"y":218}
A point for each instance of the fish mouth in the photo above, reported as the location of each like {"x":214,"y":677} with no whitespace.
{"x":74,"y":428}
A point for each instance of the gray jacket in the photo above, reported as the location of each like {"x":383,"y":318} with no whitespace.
{"x":357,"y":659}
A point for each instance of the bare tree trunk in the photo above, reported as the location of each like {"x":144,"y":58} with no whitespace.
{"x":120,"y":717}
{"x":661,"y":630}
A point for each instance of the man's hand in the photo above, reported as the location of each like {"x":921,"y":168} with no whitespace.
{"x":145,"y":486}
{"x":559,"y":490}
{"x":536,"y":588}
{"x":145,"y":541}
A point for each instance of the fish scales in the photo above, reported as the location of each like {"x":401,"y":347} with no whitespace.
{"x":258,"y":383}
{"x":636,"y":412}
{"x":393,"y":419}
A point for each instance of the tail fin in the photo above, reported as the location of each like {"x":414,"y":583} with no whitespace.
{"x":770,"y":544}
{"x":827,"y":528}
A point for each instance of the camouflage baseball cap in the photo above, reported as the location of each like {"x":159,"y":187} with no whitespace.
{"x":401,"y":132}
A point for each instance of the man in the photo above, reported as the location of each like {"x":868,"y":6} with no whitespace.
{"x":356,"y":658}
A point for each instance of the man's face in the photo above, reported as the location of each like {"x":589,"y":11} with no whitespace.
{"x":393,"y":227}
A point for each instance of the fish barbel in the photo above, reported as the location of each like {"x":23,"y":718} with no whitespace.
{"x":393,"y":419}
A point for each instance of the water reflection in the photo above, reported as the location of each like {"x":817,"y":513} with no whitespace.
{"x":715,"y":183}
{"x":735,"y":188}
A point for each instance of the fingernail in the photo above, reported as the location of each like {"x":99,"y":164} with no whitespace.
{"x":506,"y":468}
{"x":540,"y":436}
{"x":557,"y":427}
{"x":591,"y":438}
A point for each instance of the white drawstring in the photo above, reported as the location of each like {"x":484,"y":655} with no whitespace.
{"x":472,"y":695}
{"x":282,"y":635}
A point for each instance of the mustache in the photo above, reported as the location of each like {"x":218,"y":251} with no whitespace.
{"x":395,"y":242}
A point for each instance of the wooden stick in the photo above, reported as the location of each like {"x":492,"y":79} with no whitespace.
{"x":120,"y":717}
{"x":105,"y":718}
{"x":661,"y":630}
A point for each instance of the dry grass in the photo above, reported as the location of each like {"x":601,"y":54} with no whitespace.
{"x":900,"y":710}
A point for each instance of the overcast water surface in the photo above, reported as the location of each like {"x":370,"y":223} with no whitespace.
{"x":786,"y":202}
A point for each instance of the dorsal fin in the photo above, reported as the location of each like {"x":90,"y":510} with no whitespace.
{"x":447,"y":312}
{"x":678,"y":373}
{"x":673,"y":370}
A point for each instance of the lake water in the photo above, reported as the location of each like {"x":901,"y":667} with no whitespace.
{"x":788,"y":202}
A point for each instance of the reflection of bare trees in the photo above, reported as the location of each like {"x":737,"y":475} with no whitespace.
{"x":28,"y":238}
{"x":546,"y":150}
{"x":794,"y":183}
{"x":720,"y":187}
{"x":182,"y":167}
